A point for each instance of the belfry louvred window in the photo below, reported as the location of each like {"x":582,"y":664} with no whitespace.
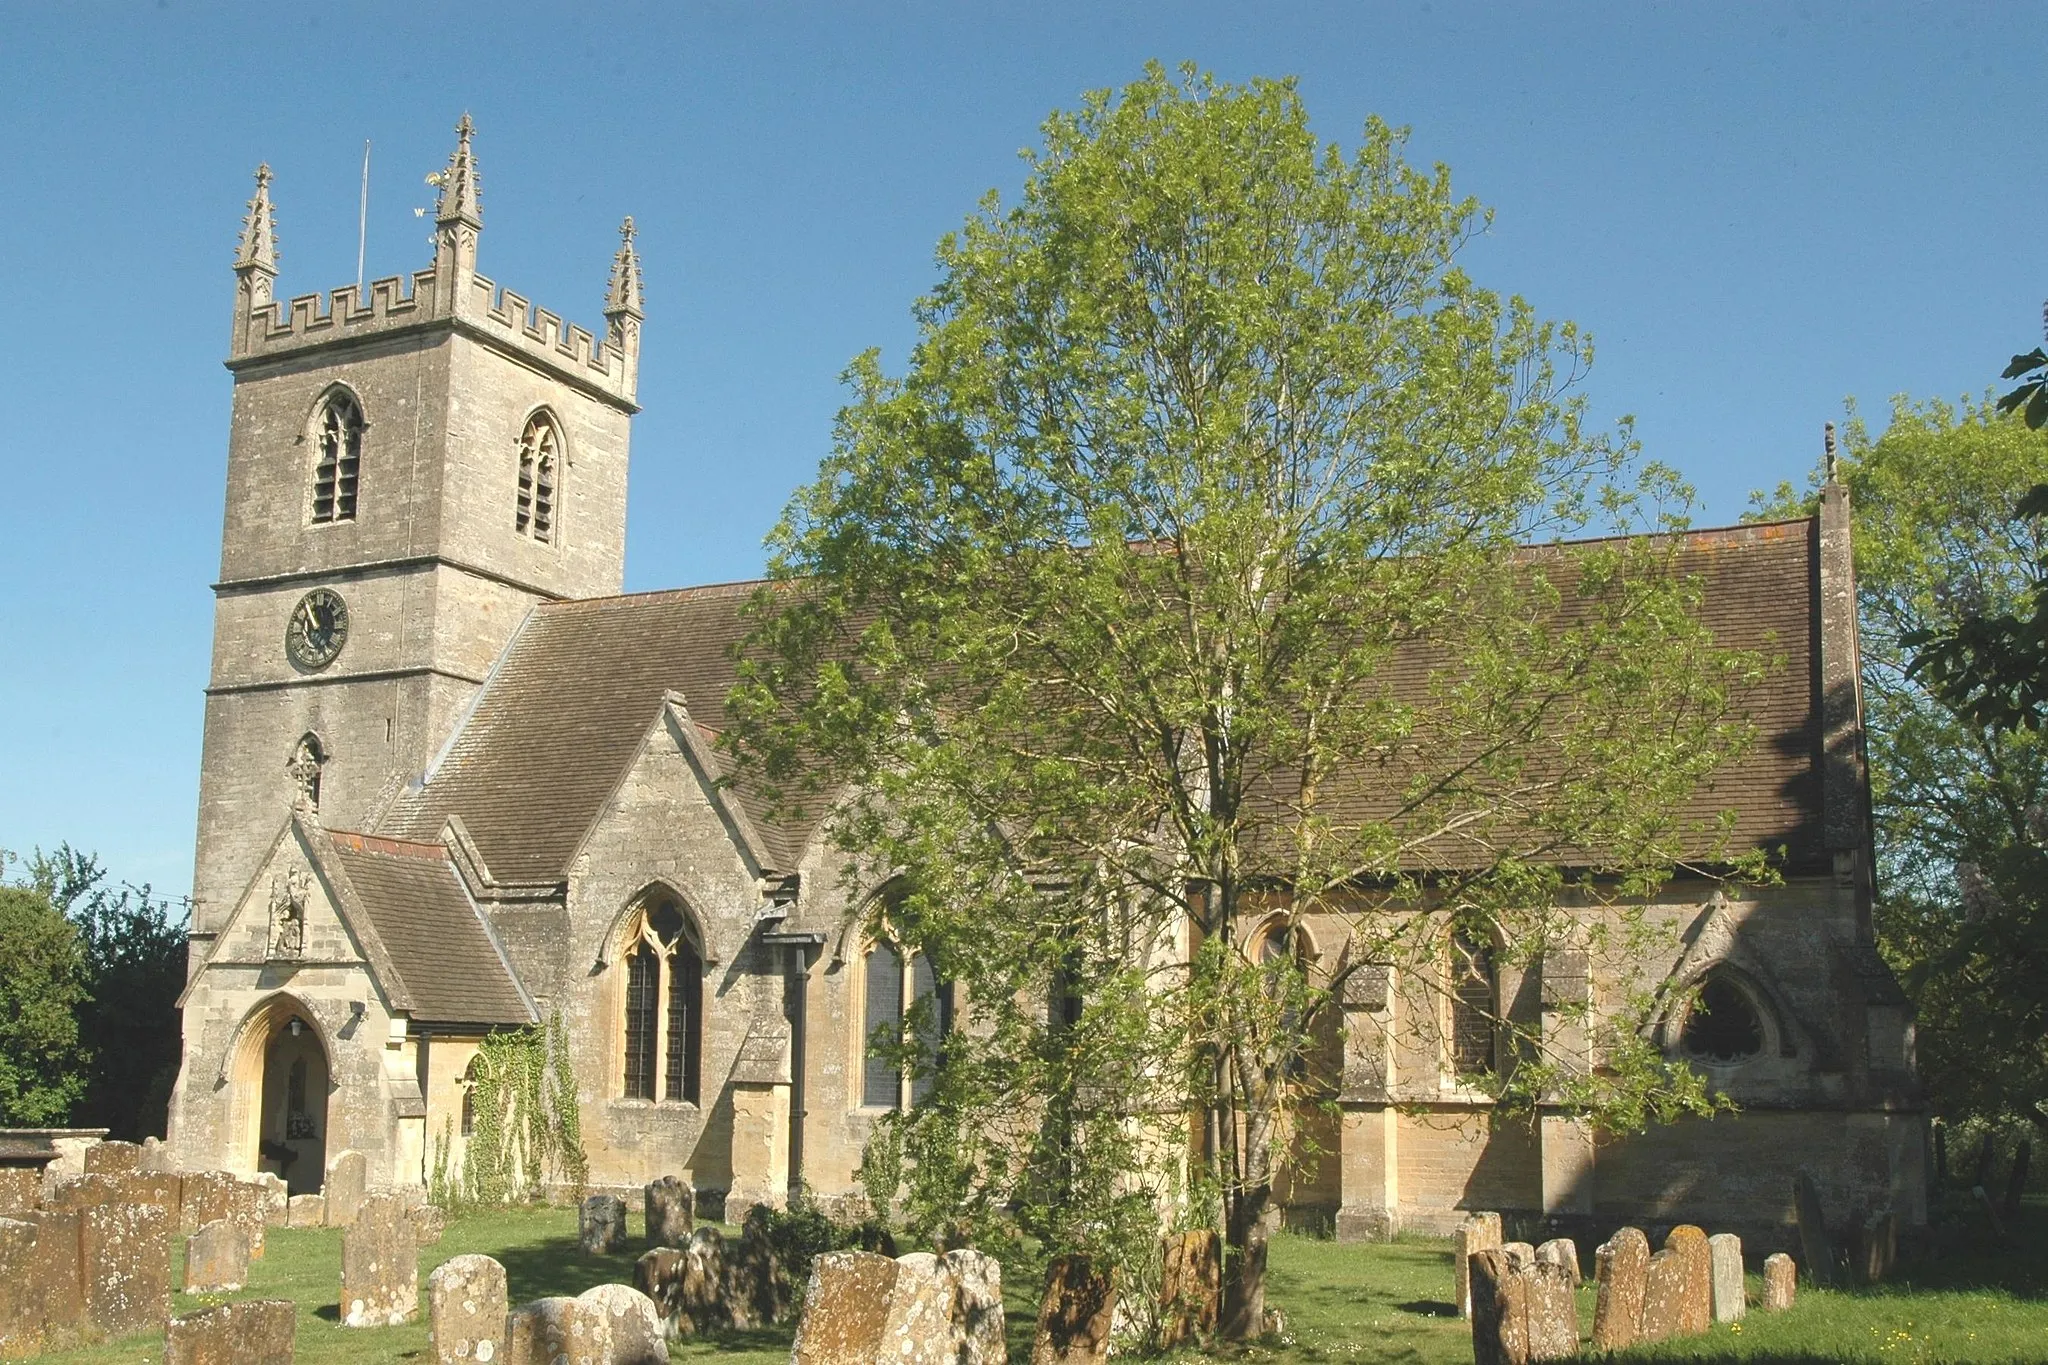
{"x":664,"y":1030}
{"x":540,"y":467}
{"x":338,"y":465}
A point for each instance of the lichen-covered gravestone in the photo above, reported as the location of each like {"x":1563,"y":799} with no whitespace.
{"x":977,"y":1306}
{"x":429,"y":1221}
{"x":919,"y":1330}
{"x":380,"y":1265}
{"x":1076,"y":1315}
{"x":669,"y":1221}
{"x":306,"y":1211}
{"x":211,"y":1196}
{"x":112,"y":1158}
{"x":1781,"y":1282}
{"x":846,"y":1308}
{"x":1620,"y":1268}
{"x":348,"y":1178}
{"x":634,"y":1325}
{"x":757,"y":1291}
{"x":124,"y":1250}
{"x":466,"y":1307}
{"x":1696,"y":1305}
{"x":1479,"y":1232}
{"x":21,"y":1309}
{"x":217,"y":1258}
{"x":21,"y":1189}
{"x":58,"y":1275}
{"x":1664,"y":1296}
{"x":251,"y":1332}
{"x":1553,"y":1311}
{"x":1731,"y":1300}
{"x":1561,"y":1251}
{"x":275,"y":1198}
{"x":558,"y":1331}
{"x":601,"y":1225}
{"x":1500,"y":1309}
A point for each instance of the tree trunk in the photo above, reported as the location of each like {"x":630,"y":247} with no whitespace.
{"x":1244,"y":1269}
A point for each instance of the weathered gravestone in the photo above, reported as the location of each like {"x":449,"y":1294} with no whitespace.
{"x":380,"y":1265}
{"x":1076,"y":1315}
{"x":21,"y":1307}
{"x":429,"y":1221}
{"x":1191,"y":1287}
{"x":668,"y":1202}
{"x":217,"y":1258}
{"x":251,"y":1332}
{"x":1814,"y":1243}
{"x":977,"y":1307}
{"x":686,"y":1294}
{"x":558,"y":1331}
{"x":755,"y":1288}
{"x":1620,"y":1268}
{"x":1781,"y":1282}
{"x":1520,"y":1254}
{"x":112,"y":1158}
{"x":1553,"y":1311}
{"x":945,"y":1310}
{"x":1561,"y":1251}
{"x":21,"y":1189}
{"x":1664,"y":1296}
{"x":156,"y":1157}
{"x":210,"y":1196}
{"x":275,"y":1198}
{"x":1876,"y":1247}
{"x":1500,"y":1309}
{"x":57,"y":1275}
{"x":633,"y":1324}
{"x":124,"y":1250}
{"x":601,"y":1225}
{"x":466,"y":1307}
{"x":1696,"y":1307}
{"x":1478,"y":1232}
{"x":846,"y":1306}
{"x":348,"y":1181}
{"x":1731,"y":1299}
{"x":306,"y":1211}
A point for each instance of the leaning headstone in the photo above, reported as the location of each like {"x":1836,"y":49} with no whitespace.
{"x":1553,"y":1311}
{"x":380,"y":1265}
{"x":976,"y":1311}
{"x":217,"y":1258}
{"x":669,"y":1222}
{"x":1664,"y":1296}
{"x":845,"y":1309}
{"x":248,"y":1332}
{"x":1814,"y":1245}
{"x":466,"y":1308}
{"x":1620,"y":1268}
{"x":1500,"y":1309}
{"x":1781,"y":1282}
{"x":21,"y":1308}
{"x":21,"y":1189}
{"x":1561,"y":1251}
{"x":601,"y":1225}
{"x":1731,"y":1299}
{"x":1478,"y":1232}
{"x":1075,"y":1317}
{"x":306,"y":1211}
{"x":112,"y":1158}
{"x":1696,"y":1309}
{"x":558,"y":1331}
{"x":1191,"y":1288}
{"x":348,"y":1181}
{"x":634,"y":1325}
{"x":125,"y":1252}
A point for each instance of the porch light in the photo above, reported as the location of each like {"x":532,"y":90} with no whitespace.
{"x":297,"y":1026}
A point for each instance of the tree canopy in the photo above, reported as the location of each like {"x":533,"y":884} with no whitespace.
{"x":1178,"y":589}
{"x":42,"y":980}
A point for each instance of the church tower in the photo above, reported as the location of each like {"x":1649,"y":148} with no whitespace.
{"x":408,"y":474}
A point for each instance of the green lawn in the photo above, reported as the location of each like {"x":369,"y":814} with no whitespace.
{"x":1340,"y":1303}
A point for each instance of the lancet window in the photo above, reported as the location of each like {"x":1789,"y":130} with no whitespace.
{"x":664,"y":1025}
{"x":337,"y":469}
{"x":540,"y":469}
{"x":901,"y":992}
{"x":1473,"y":1000}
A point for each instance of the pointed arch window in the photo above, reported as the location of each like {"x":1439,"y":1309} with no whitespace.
{"x":306,"y":762}
{"x":1474,"y":1001}
{"x":338,"y":464}
{"x":540,"y":475}
{"x":664,"y":1024}
{"x":901,"y":993}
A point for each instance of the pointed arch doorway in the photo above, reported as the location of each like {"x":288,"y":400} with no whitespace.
{"x":281,"y":1080}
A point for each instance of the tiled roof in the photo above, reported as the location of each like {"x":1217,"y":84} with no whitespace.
{"x":579,"y":687}
{"x":448,"y":969}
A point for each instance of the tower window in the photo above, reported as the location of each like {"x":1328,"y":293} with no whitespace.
{"x":339,"y":468}
{"x":1474,"y":1007}
{"x":1722,"y":1027}
{"x":540,"y":472}
{"x":664,"y":1026}
{"x":305,"y":765}
{"x":896,"y":996}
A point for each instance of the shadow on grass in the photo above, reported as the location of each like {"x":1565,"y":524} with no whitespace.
{"x":557,"y":1265}
{"x":1429,"y":1308}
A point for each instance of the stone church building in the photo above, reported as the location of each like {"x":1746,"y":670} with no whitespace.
{"x":455,"y":781}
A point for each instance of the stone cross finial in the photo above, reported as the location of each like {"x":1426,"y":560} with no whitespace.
{"x":622,"y":295}
{"x":258,"y":247}
{"x":461,"y":200}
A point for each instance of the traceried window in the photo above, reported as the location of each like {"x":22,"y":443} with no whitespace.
{"x":338,"y":465}
{"x":1723,"y":1026}
{"x":899,"y":992}
{"x":1473,"y":1008}
{"x":664,"y":1031}
{"x":540,"y":473}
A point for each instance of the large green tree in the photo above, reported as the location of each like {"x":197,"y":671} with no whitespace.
{"x":1958,"y":777}
{"x":1173,"y":590}
{"x":42,"y":981}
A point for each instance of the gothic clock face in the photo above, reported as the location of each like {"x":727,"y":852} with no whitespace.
{"x":317,"y":630}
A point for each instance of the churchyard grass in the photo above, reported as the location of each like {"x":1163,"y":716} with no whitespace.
{"x":1341,"y":1304}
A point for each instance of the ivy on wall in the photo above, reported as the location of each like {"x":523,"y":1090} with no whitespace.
{"x":528,"y":1126}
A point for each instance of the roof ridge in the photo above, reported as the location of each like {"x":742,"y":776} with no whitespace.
{"x":700,"y":590}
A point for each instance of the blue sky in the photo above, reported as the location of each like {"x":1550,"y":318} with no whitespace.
{"x":1758,"y":211}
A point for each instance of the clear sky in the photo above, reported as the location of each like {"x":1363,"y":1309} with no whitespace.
{"x":1759,"y":211}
